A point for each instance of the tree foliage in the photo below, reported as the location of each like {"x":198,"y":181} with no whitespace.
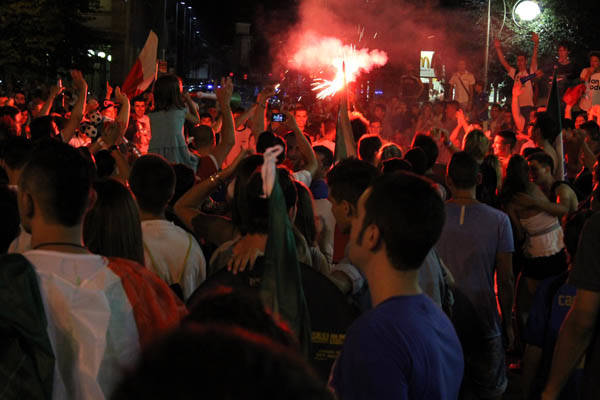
{"x":39,"y":38}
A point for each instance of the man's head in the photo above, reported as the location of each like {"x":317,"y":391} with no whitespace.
{"x":293,"y":153}
{"x":325,"y":160}
{"x":152,"y":181}
{"x":477,"y":144}
{"x":368,"y":146}
{"x":545,"y":128}
{"x":379,"y":111}
{"x":427,"y":144}
{"x":541,"y":167}
{"x":461,"y":66}
{"x":462,"y":172}
{"x":504,"y":143}
{"x":203,"y":138}
{"x":14,"y":155}
{"x":139,"y":107}
{"x":375,"y":127}
{"x":206,"y":119}
{"x":347,"y":180}
{"x":54,"y":187}
{"x":563,"y":50}
{"x":19,"y":98}
{"x":400,"y":216}
{"x":495,"y":111}
{"x":301,"y":116}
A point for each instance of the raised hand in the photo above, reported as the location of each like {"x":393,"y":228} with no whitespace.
{"x":225,"y":92}
{"x":78,"y":80}
{"x":535,"y":38}
{"x":120,"y":97}
{"x":265,"y":94}
{"x":109,"y":90}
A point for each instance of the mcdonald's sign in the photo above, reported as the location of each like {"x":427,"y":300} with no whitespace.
{"x":425,"y":64}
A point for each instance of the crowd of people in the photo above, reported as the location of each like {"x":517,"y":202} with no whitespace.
{"x":165,"y":246}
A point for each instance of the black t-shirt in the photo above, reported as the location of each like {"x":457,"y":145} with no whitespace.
{"x":586,"y":275}
{"x":330,"y":312}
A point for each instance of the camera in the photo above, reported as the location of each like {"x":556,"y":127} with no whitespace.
{"x":278,"y":117}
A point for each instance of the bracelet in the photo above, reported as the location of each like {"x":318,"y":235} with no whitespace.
{"x":215,"y":178}
{"x":113,"y":148}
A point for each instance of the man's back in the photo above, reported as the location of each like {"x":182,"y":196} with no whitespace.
{"x":173,"y":254}
{"x":397,"y":350}
{"x":472,"y":237}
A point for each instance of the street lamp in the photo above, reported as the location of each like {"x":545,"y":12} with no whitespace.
{"x":526,"y":10}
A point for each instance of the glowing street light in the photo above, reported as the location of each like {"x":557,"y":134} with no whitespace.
{"x":527,"y":10}
{"x":101,"y":54}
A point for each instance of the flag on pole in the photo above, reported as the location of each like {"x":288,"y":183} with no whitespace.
{"x":144,"y":70}
{"x":554,"y":111}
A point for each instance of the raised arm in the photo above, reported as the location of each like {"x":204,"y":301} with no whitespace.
{"x":123,"y":117}
{"x":54,"y":91}
{"x":77,"y":113}
{"x":243,"y":117}
{"x":536,"y":44}
{"x":260,"y":113}
{"x":227,"y":142}
{"x":515,"y":108}
{"x":109,"y":91}
{"x":187,"y":207}
{"x":192,"y":114}
{"x":498,"y":47}
{"x":303,"y":145}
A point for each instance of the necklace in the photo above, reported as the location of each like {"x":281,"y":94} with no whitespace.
{"x":45,"y":244}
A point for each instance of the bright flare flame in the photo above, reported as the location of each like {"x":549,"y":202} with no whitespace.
{"x":318,"y":52}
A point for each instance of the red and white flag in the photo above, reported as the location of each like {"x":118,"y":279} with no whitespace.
{"x":143,"y":71}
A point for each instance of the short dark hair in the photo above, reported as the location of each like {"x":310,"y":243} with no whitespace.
{"x":152,"y":180}
{"x":395,"y":164}
{"x":390,"y":150}
{"x":508,"y":136}
{"x":358,"y":128}
{"x":203,"y":136}
{"x":184,"y":180}
{"x":138,"y":99}
{"x":463,"y":170}
{"x":547,"y":125}
{"x":15,"y":151}
{"x":60,"y":180}
{"x":206,"y":115}
{"x":349,"y":178}
{"x":327,"y":155}
{"x":410,"y":215}
{"x":418,"y":160}
{"x":41,"y":128}
{"x":105,"y":164}
{"x":428,"y":145}
{"x":9,"y":229}
{"x":368,"y":146}
{"x":542,"y":158}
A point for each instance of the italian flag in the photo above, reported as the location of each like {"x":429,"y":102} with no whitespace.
{"x":66,"y":339}
{"x":144,"y":70}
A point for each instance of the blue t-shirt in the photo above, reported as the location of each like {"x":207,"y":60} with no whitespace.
{"x":468,"y":246}
{"x":405,"y":348}
{"x":551,"y":304}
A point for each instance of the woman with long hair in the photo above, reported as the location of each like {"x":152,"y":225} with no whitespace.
{"x":112,"y":227}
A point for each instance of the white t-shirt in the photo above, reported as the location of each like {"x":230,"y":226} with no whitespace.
{"x":591,"y":96}
{"x":460,"y":93}
{"x":91,"y":325}
{"x":173,"y":254}
{"x":303,"y":176}
{"x":526,"y":97}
